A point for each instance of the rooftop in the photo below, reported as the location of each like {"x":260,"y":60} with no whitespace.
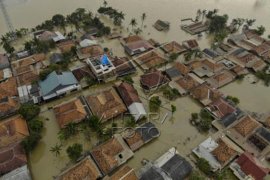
{"x":124,"y":173}
{"x":173,"y":47}
{"x":153,"y":80}
{"x":71,"y":112}
{"x":128,"y":93}
{"x":246,"y":125}
{"x":106,"y":105}
{"x":150,"y":60}
{"x":223,"y":152}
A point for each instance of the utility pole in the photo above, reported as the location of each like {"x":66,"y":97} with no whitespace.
{"x":7,"y":18}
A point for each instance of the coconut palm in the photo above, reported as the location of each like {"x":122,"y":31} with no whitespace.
{"x":105,"y":3}
{"x":133,"y":23}
{"x":56,"y":149}
{"x":143,"y":17}
{"x":204,"y":12}
{"x":138,"y":31}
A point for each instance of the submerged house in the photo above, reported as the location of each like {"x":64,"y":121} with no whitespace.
{"x":173,"y":47}
{"x":221,"y":79}
{"x":124,"y":173}
{"x":102,"y":68}
{"x":111,"y":154}
{"x":58,"y":84}
{"x":4,"y":61}
{"x":90,"y":52}
{"x":191,"y":44}
{"x":106,"y":105}
{"x":131,"y":99}
{"x":123,"y":66}
{"x":162,"y":25}
{"x":195,"y":28}
{"x":153,"y":80}
{"x":169,"y":166}
{"x":135,"y":44}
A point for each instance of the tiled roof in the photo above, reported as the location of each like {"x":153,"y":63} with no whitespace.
{"x":8,"y":105}
{"x":82,"y":72}
{"x":106,"y":104}
{"x":13,"y":130}
{"x":133,"y":139}
{"x":66,"y":46}
{"x":84,"y":170}
{"x":70,"y":112}
{"x":124,"y":173}
{"x":131,"y":39}
{"x":187,"y":82}
{"x":221,"y":108}
{"x":153,"y":79}
{"x":192,"y":43}
{"x":240,"y":70}
{"x":8,"y":88}
{"x":182,"y":68}
{"x":249,"y":166}
{"x":151,"y":59}
{"x":123,"y":66}
{"x":223,"y":152}
{"x":214,"y":67}
{"x":246,"y":125}
{"x":11,"y":158}
{"x":205,"y":92}
{"x":173,"y":47}
{"x":128,"y":93}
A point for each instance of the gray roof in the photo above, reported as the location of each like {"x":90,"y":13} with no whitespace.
{"x":56,"y":58}
{"x":151,"y":174}
{"x":173,"y":72}
{"x":21,"y":173}
{"x":177,"y":168}
{"x":56,"y":81}
{"x":148,"y":131}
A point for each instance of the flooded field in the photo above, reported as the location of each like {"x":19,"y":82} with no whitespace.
{"x":176,"y":132}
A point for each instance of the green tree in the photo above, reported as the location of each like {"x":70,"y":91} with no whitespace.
{"x":8,"y":48}
{"x":29,"y":111}
{"x":59,"y":20}
{"x":173,"y":108}
{"x":128,"y":79}
{"x":35,"y":125}
{"x":133,"y":23}
{"x":194,"y":116}
{"x":260,"y":30}
{"x":235,"y":100}
{"x":173,"y":57}
{"x":218,"y":23}
{"x":56,"y":149}
{"x":154,"y":103}
{"x":31,"y":141}
{"x":74,"y":151}
{"x":143,"y":17}
{"x":195,"y":175}
{"x":204,"y":166}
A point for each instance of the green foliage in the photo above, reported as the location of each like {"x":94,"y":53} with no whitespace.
{"x":56,"y":149}
{"x":70,"y":129}
{"x":8,"y":48}
{"x":195,"y":175}
{"x":31,"y":141}
{"x":128,"y":79}
{"x":35,"y":125}
{"x":263,"y":76}
{"x":117,"y":17}
{"x":235,"y":100}
{"x":260,"y":30}
{"x":154,"y":104}
{"x":204,"y":166}
{"x":194,"y":116}
{"x":29,"y":111}
{"x":173,"y":57}
{"x":74,"y":151}
{"x":95,"y":124}
{"x":206,"y":120}
{"x":130,"y":122}
{"x":218,"y":23}
{"x":171,"y":93}
{"x":59,"y":20}
{"x":173,"y":108}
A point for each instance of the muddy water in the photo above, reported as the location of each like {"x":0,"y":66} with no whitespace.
{"x":175,"y":132}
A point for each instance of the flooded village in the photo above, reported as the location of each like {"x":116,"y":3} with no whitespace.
{"x":99,"y":90}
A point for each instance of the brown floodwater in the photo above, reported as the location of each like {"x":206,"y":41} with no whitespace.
{"x":175,"y":132}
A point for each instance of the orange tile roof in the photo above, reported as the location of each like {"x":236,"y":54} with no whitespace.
{"x":187,"y":82}
{"x":13,"y":130}
{"x":105,"y":154}
{"x":131,"y":39}
{"x":246,"y":125}
{"x":92,"y":51}
{"x":173,"y":47}
{"x":71,"y":112}
{"x":84,"y":170}
{"x":205,"y":92}
{"x":66,"y":46}
{"x":223,"y":152}
{"x":8,"y":105}
{"x":124,"y":173}
{"x":8,"y":88}
{"x":212,"y":65}
{"x":133,"y":139}
{"x":151,"y":59}
{"x":106,"y":104}
{"x":182,"y":68}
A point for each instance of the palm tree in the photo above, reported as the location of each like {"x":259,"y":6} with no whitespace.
{"x":133,"y":23}
{"x":138,"y":31}
{"x":204,"y":12}
{"x":56,"y":149}
{"x":143,"y":18}
{"x":105,"y":3}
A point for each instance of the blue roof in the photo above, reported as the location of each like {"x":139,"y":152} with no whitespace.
{"x":55,"y":80}
{"x":105,"y":60}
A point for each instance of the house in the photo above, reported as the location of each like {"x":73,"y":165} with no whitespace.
{"x":205,"y":68}
{"x":66,"y":45}
{"x":195,"y":27}
{"x":91,"y":32}
{"x":58,"y":37}
{"x":205,"y":94}
{"x":173,"y":73}
{"x":4,"y":61}
{"x":56,"y":58}
{"x":162,"y":25}
{"x":21,"y":173}
{"x":106,"y":104}
{"x":258,"y":65}
{"x":13,"y":130}
{"x":238,"y":70}
{"x":135,"y":44}
{"x":102,"y":68}
{"x":191,"y":44}
{"x":183,"y":69}
{"x":131,"y":99}
{"x":221,"y":79}
{"x":58,"y":84}
{"x":150,"y":60}
{"x":5,"y":74}
{"x":154,"y":42}
{"x":85,"y":169}
{"x":168,"y":166}
{"x":124,"y":173}
{"x":87,"y":42}
{"x":83,"y":74}
{"x":210,"y":53}
{"x":44,"y":35}
{"x":133,"y":139}
{"x":12,"y":157}
{"x":89,"y":52}
{"x":153,"y":80}
{"x":123,"y":66}
{"x":173,"y":47}
{"x":217,"y":150}
{"x":111,"y":154}
{"x":248,"y":167}
{"x":186,"y":84}
{"x":74,"y":111}
{"x":29,"y":93}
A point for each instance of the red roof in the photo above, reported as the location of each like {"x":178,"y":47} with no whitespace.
{"x":250,"y":167}
{"x":128,"y":93}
